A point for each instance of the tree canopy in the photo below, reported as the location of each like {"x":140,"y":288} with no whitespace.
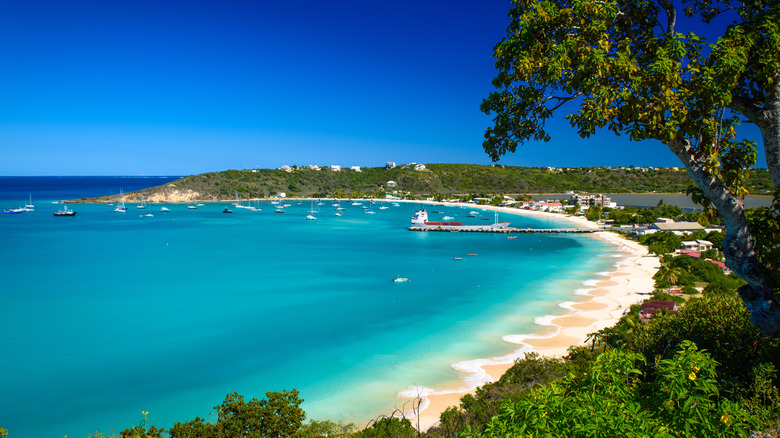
{"x":622,"y":65}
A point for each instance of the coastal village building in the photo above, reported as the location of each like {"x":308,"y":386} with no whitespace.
{"x":392,"y":184}
{"x":696,"y":245}
{"x":586,"y":201}
{"x":678,"y":228}
{"x":419,"y":167}
{"x":286,"y":168}
{"x":389,"y":165}
{"x":314,"y":167}
{"x":335,"y":167}
{"x":281,"y":195}
{"x":548,"y":206}
{"x":355,"y":168}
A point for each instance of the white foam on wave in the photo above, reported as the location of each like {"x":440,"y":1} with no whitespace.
{"x":568,"y":306}
{"x":545,"y":320}
{"x":591,"y":282}
{"x":583,"y":291}
{"x":604,"y":274}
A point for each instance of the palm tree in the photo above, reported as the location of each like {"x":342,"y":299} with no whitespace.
{"x":670,"y":275}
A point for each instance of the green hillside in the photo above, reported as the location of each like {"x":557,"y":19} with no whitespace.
{"x":444,"y":179}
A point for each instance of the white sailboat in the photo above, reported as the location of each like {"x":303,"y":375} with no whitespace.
{"x":29,"y":206}
{"x":120,"y":207}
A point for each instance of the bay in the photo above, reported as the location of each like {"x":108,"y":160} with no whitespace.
{"x":109,"y":314}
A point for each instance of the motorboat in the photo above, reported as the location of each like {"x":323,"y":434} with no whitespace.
{"x":64,"y":212}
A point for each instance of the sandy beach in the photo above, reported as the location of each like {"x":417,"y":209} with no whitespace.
{"x":599,"y":306}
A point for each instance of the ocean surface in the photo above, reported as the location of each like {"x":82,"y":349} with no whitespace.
{"x":108,"y":314}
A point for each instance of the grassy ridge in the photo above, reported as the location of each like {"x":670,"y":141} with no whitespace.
{"x":444,"y":179}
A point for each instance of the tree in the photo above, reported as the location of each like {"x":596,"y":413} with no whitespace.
{"x":278,"y":415}
{"x":624,"y":67}
{"x":669,"y":275}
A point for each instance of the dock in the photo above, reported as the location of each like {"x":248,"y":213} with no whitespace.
{"x":507,"y":230}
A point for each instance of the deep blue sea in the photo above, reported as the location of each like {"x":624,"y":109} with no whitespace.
{"x":106,"y":314}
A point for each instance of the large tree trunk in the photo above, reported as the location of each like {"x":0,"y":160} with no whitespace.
{"x":758,"y":294}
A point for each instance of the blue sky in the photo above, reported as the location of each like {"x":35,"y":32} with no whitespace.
{"x":184,"y":87}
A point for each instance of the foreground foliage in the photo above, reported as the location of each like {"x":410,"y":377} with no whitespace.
{"x":704,"y":370}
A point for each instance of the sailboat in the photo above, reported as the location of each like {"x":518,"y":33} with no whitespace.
{"x":29,"y":206}
{"x":120,"y":208}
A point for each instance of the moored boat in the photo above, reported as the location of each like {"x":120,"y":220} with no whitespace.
{"x":64,"y":212}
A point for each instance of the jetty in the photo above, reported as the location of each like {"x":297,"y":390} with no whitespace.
{"x":505,"y":230}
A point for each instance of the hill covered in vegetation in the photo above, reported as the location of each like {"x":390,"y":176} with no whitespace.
{"x":435,"y":179}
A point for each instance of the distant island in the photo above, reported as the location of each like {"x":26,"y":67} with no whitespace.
{"x":419,"y":181}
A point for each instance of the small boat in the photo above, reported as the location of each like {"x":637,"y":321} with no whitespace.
{"x":472,"y":254}
{"x":199,"y":205}
{"x":457,"y":258}
{"x":65,"y":212}
{"x":310,"y":218}
{"x":148,"y":214}
{"x":15,"y":211}
{"x":399,"y":279}
{"x":192,"y":207}
{"x":470,"y":215}
{"x":337,"y":214}
{"x":369,"y":212}
{"x":164,"y":209}
{"x":29,"y":206}
{"x":227,"y":210}
{"x":512,"y":237}
{"x":279,"y":210}
{"x":384,"y":207}
{"x":447,"y":218}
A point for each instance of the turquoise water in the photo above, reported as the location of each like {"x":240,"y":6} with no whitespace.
{"x":109,"y":314}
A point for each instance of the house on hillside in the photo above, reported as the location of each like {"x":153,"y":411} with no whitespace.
{"x":314,"y":167}
{"x":355,"y":168}
{"x":335,"y":167}
{"x":390,"y":165}
{"x":391,"y":184}
{"x":649,"y":308}
{"x":286,"y":168}
{"x":419,"y":167}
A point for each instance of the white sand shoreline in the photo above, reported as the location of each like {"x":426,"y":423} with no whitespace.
{"x":595,"y":306}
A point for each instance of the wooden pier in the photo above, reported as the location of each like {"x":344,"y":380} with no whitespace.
{"x":508,"y":230}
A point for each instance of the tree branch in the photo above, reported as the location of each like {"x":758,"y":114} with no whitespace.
{"x":741,"y":257}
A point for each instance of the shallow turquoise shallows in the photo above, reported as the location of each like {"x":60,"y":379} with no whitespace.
{"x":108,"y":314}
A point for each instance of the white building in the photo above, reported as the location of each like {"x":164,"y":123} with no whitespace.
{"x":286,"y":168}
{"x":389,"y":165}
{"x":355,"y":168}
{"x":392,"y":184}
{"x":696,"y":245}
{"x":419,"y":167}
{"x":314,"y":167}
{"x":281,"y":195}
{"x":335,"y":167}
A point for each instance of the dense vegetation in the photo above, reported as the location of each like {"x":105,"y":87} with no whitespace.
{"x":444,"y":179}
